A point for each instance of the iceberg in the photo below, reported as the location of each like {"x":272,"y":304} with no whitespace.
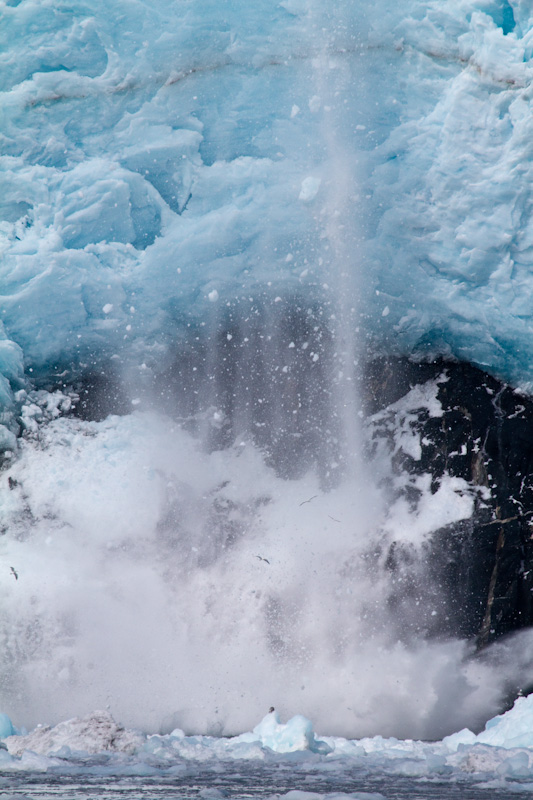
{"x":6,"y":726}
{"x":512,"y":729}
{"x":296,"y":734}
{"x":96,"y":733}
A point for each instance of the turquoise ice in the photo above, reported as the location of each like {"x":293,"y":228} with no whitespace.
{"x":168,"y":158}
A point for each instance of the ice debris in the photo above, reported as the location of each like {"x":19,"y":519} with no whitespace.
{"x":296,"y":734}
{"x":502,"y":754}
{"x":6,"y":726}
{"x":510,"y":730}
{"x":95,"y":733}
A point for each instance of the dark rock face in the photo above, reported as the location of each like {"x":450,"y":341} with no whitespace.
{"x":473,"y":578}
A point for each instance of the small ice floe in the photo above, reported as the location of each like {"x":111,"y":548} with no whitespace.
{"x":95,"y":733}
{"x":296,"y":734}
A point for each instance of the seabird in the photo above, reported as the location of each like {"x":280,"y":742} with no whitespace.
{"x":14,"y":572}
{"x":263,"y":559}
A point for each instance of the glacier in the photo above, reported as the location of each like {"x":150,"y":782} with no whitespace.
{"x":168,"y":154}
{"x":208,"y":208}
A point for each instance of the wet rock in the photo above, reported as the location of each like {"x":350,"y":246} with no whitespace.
{"x":451,"y":419}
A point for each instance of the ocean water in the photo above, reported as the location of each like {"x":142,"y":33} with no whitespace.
{"x":251,"y":781}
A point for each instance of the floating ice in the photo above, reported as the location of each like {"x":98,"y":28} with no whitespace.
{"x":512,"y":729}
{"x":6,"y":726}
{"x":97,"y":745}
{"x":95,"y":733}
{"x":296,"y":734}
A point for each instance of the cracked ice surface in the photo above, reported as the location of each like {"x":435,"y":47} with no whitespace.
{"x":167,"y":154}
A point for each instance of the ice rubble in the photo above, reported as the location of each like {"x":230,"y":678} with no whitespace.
{"x":502,"y":755}
{"x":296,"y":734}
{"x":510,"y":730}
{"x":167,"y":155}
{"x":94,"y":734}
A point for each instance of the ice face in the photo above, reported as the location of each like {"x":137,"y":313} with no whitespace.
{"x":460,"y":225}
{"x":136,"y":159}
{"x":165,"y":155}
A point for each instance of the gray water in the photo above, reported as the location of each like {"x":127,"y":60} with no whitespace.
{"x":243,"y":781}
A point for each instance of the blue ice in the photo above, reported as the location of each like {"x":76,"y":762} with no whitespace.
{"x":161,"y":157}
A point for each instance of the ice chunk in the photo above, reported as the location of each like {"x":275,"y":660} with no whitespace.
{"x":94,"y":733}
{"x":309,"y":190}
{"x":296,"y":734}
{"x":6,"y":726}
{"x":462,"y":737}
{"x":512,"y":729}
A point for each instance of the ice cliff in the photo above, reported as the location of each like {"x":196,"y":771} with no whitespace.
{"x":162,"y":160}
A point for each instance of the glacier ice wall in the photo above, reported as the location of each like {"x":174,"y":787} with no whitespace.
{"x":453,"y":248}
{"x":164,"y":159}
{"x":154,"y":159}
